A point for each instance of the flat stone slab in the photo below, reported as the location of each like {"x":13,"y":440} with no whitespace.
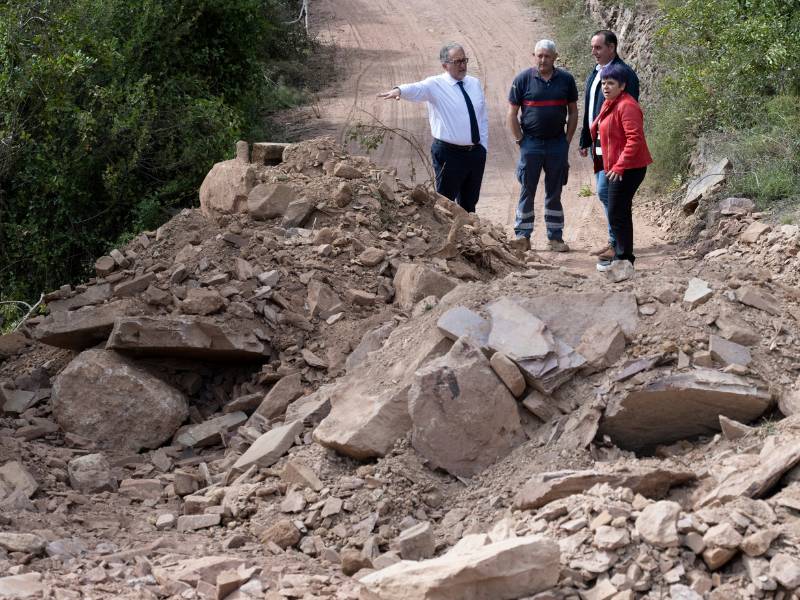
{"x":727,"y":352}
{"x":460,"y":321}
{"x":544,"y":488}
{"x":186,"y":337}
{"x":754,"y":483}
{"x":681,"y":406}
{"x":517,"y":333}
{"x":704,"y":185}
{"x":752,"y":296}
{"x":570,"y":315}
{"x":555,"y":369}
{"x":83,"y":328}
{"x":513,"y":568}
{"x":268,"y":448}
{"x":210,"y":432}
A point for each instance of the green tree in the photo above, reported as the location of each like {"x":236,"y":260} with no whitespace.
{"x":112,"y":113}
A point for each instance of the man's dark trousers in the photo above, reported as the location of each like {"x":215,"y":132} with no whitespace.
{"x":459,"y":172}
{"x":537,"y":155}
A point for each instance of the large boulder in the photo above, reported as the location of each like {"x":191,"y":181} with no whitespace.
{"x":680,"y":406}
{"x":226,"y":187}
{"x":512,"y":568}
{"x":189,"y":337}
{"x":103,"y":397}
{"x":369,"y":408}
{"x":463,"y":417}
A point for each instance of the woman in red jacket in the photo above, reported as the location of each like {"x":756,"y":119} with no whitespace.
{"x":620,"y":127}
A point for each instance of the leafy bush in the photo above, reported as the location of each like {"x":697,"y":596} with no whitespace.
{"x":113,"y":111}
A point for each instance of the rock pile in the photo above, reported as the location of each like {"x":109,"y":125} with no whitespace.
{"x":325,"y":384}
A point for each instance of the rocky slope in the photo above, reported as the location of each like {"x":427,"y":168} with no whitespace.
{"x":323,"y":384}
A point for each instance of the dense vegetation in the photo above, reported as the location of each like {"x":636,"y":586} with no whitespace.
{"x":113,"y":111}
{"x":734,"y":80}
{"x":730,"y":75}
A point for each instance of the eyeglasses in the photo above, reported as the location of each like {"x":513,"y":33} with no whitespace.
{"x":458,"y":61}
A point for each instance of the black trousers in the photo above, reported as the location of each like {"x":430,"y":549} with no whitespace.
{"x":620,"y":211}
{"x":459,"y":172}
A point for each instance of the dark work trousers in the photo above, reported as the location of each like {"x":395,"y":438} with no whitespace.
{"x":537,"y":155}
{"x":459,"y":172}
{"x":620,"y":211}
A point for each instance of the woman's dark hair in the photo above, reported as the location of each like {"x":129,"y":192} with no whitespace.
{"x":616,"y":72}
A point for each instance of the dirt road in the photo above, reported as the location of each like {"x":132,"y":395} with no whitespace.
{"x":386,"y":42}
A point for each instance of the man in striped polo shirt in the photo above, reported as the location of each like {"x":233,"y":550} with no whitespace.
{"x":543,"y":100}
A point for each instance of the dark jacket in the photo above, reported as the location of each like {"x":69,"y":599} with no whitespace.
{"x":632,"y":87}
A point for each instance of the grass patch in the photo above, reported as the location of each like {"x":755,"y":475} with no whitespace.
{"x":573,"y":31}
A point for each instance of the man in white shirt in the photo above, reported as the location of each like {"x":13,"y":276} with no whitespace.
{"x":459,"y":125}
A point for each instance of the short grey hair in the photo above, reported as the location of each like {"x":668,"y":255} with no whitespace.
{"x":444,"y":53}
{"x":545,"y":45}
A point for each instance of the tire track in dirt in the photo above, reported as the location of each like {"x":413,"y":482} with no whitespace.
{"x":387,"y":42}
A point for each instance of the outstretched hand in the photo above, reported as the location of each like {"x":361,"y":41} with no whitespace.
{"x":393,"y":93}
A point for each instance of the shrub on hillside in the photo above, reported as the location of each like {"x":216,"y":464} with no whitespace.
{"x":113,"y":111}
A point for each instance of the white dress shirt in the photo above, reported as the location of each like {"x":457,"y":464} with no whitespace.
{"x":447,"y":109}
{"x":592,"y":95}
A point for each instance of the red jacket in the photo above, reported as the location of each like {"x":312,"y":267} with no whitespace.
{"x":621,"y":130}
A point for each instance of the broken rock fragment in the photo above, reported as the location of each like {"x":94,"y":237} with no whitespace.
{"x":189,"y":337}
{"x":697,"y":292}
{"x":517,"y":333}
{"x":544,"y":488}
{"x":512,"y":568}
{"x":463,"y":417}
{"x":268,"y":448}
{"x":681,"y":406}
{"x":413,"y":282}
{"x":103,"y":397}
{"x":202,"y":301}
{"x":83,"y":328}
{"x":226,"y":187}
{"x":91,"y":474}
{"x":269,"y":200}
{"x":657,"y":524}
{"x":460,"y":321}
{"x":281,"y":395}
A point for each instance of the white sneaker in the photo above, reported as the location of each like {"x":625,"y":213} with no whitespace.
{"x":604,"y":265}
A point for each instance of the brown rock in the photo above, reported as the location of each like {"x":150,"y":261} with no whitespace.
{"x":91,"y":474}
{"x":509,"y":373}
{"x":104,"y":398}
{"x":346,"y":171}
{"x":297,"y":212}
{"x":16,"y":479}
{"x":728,"y":353}
{"x":141,"y":489}
{"x":789,"y":402}
{"x":657,"y":524}
{"x":508,"y":320}
{"x":460,"y":321}
{"x":754,"y":231}
{"x":417,"y":542}
{"x":195,"y":522}
{"x":296,"y":472}
{"x":511,"y":568}
{"x":268,"y":448}
{"x":134,"y":286}
{"x":105,"y":265}
{"x":544,"y":407}
{"x":322,"y":301}
{"x":201,"y":301}
{"x":371,"y":257}
{"x":12,"y":343}
{"x":785,"y":569}
{"x":283,"y":533}
{"x":369,"y":408}
{"x":344,"y":194}
{"x":733,"y":430}
{"x":759,"y":542}
{"x":681,"y":406}
{"x":736,"y":331}
{"x":27,"y":585}
{"x":361,"y":298}
{"x":544,"y":488}
{"x":602,"y":344}
{"x":353,"y":561}
{"x":370,"y":341}
{"x":267,"y":153}
{"x":188,"y":337}
{"x":413,"y":282}
{"x":752,"y":296}
{"x":83,"y":328}
{"x":226,"y":187}
{"x":284,"y":392}
{"x":209,"y":432}
{"x":463,"y":418}
{"x":269,"y":200}
{"x":716,"y":557}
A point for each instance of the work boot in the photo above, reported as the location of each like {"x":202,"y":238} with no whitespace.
{"x":601,"y":250}
{"x":522,"y":244}
{"x":607,"y":254}
{"x":557,"y":246}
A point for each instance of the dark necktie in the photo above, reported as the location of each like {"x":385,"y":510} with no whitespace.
{"x":473,"y":120}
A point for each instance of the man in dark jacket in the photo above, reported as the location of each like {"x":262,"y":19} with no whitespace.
{"x":604,"y":50}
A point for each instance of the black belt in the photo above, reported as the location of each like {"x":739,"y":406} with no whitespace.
{"x":450,"y":146}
